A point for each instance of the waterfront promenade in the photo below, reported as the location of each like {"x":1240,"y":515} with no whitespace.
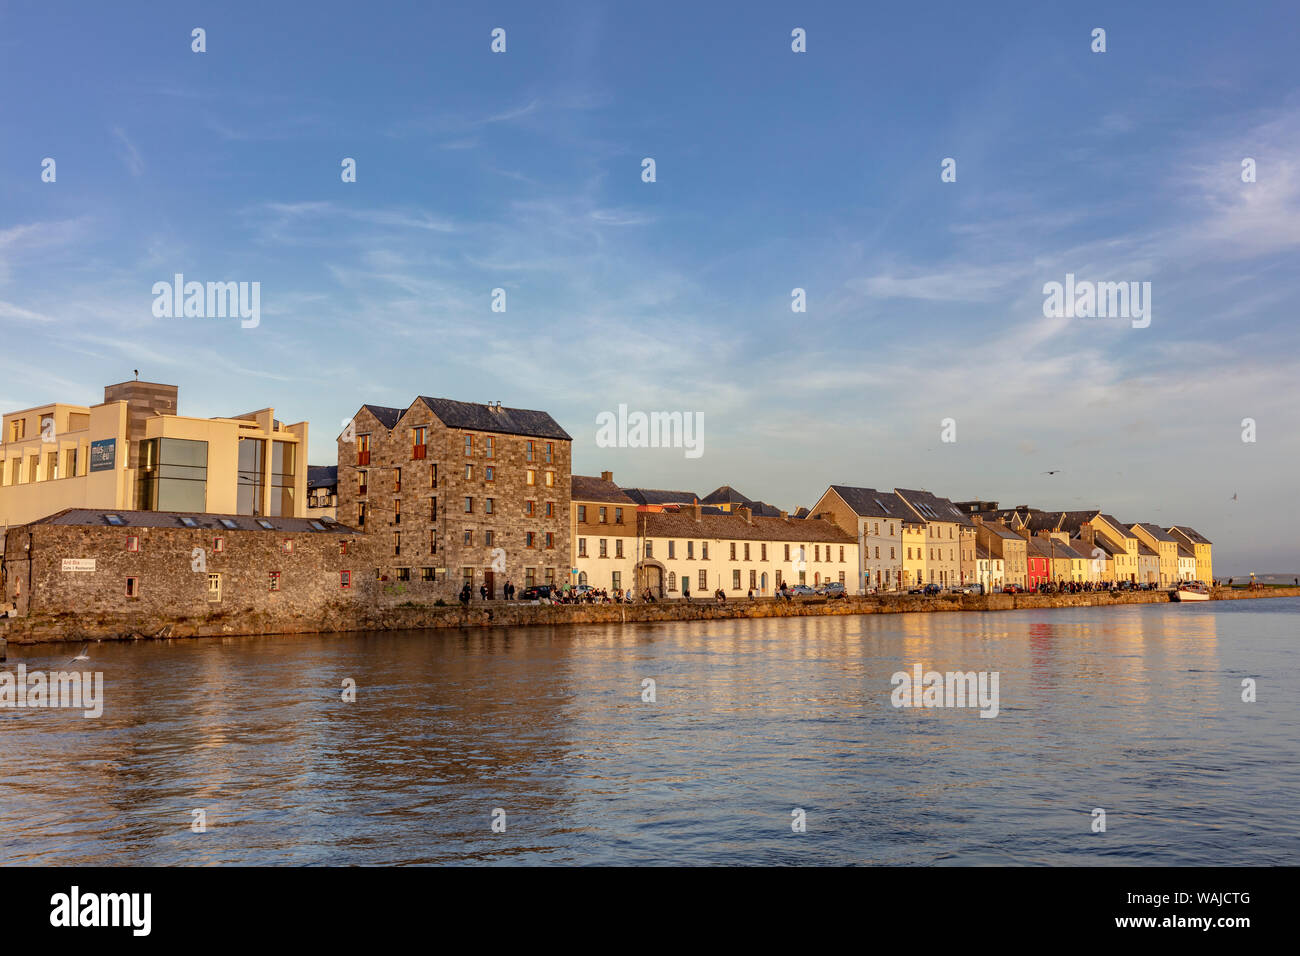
{"x":409,"y":615}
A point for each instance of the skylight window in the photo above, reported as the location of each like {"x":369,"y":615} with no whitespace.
{"x":318,"y":526}
{"x":228,"y":523}
{"x":265,"y":524}
{"x":188,"y":522}
{"x":114,"y":519}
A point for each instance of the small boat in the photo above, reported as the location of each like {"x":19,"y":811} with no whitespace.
{"x":1194,"y":591}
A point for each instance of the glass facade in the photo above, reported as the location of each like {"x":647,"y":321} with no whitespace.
{"x":173,"y":475}
{"x":282,"y":478}
{"x":252,"y":462}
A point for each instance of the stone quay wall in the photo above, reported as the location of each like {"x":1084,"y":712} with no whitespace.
{"x":354,"y":615}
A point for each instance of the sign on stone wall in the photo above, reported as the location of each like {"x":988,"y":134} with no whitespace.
{"x":103,"y":454}
{"x":78,"y":564}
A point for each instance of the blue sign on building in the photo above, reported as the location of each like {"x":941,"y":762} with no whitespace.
{"x":103,"y":454}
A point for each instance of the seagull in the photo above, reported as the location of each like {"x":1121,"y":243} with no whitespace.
{"x":1234,"y":496}
{"x":83,"y":656}
{"x":1056,"y":472}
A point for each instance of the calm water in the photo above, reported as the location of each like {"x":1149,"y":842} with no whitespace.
{"x":1135,"y":710}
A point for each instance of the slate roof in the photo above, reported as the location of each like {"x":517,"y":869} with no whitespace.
{"x":1143,"y":549}
{"x":586,"y":488}
{"x":870,"y":503}
{"x":1112,"y":549}
{"x":1117,"y":525}
{"x":1191,"y":533}
{"x":388,"y":417}
{"x":725,"y":495}
{"x":654,"y":496}
{"x":723,"y":527}
{"x":97,"y":517}
{"x":479,"y":417}
{"x":1185,"y":552}
{"x":322,"y":476}
{"x":1002,"y":531}
{"x":1157,"y":532}
{"x":933,"y":508}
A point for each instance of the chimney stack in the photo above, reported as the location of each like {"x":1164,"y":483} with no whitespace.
{"x":606,"y":476}
{"x":785,"y":515}
{"x":746,"y":513}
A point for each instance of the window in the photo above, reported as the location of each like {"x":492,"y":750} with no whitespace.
{"x":228,"y":523}
{"x":362,"y":475}
{"x":469,"y":537}
{"x":132,"y":542}
{"x":418,"y":445}
{"x":361,"y":514}
{"x":214,"y":588}
{"x":582,"y":513}
{"x":841,"y":554}
{"x":753,"y":579}
{"x":426,"y":574}
{"x":218,"y":545}
{"x":746,"y":550}
{"x":132,"y":587}
{"x":528,"y":452}
{"x":582,"y":577}
{"x":762,"y":552}
{"x":71,"y":467}
{"x":817,"y":552}
{"x":397,"y":511}
{"x":316,"y":525}
{"x":891,"y":554}
{"x":172,"y":475}
{"x":550,"y":576}
{"x":345,"y":579}
{"x":735,"y":580}
{"x":433,"y":542}
{"x":672,"y":580}
{"x":433,"y":477}
{"x":17,"y":429}
{"x":489,"y":473}
{"x":604,"y":516}
{"x":690,"y":550}
{"x":704,"y":550}
{"x":487,"y":505}
{"x":618,"y":516}
{"x":787,"y":552}
{"x":704,"y":580}
{"x":467,"y":576}
{"x":604,"y":548}
{"x":532,"y":477}
{"x":265,"y":525}
{"x":469,"y":445}
{"x":550,"y":450}
{"x":275,"y":580}
{"x":649,"y":549}
{"x":733,"y":551}
{"x":489,"y":449}
{"x":529,"y":507}
{"x":403,"y":574}
{"x":582,"y":548}
{"x":550,"y":539}
{"x":617,"y":580}
{"x":469,"y":506}
{"x":469,"y":472}
{"x":397,"y":543}
{"x":363,"y":449}
{"x":550,"y":509}
{"x":529,"y":539}
{"x":488,"y":538}
{"x":550,"y":479}
{"x":841,"y":577}
{"x":618,"y":547}
{"x":530,"y":577}
{"x":672,"y":550}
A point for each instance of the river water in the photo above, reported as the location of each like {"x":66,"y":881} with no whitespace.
{"x":1134,"y":710}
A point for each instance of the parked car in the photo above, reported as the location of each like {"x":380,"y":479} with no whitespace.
{"x":932,"y":589}
{"x":801,"y":590}
{"x":581,"y":589}
{"x":831,"y":589}
{"x":960,"y":589}
{"x":916,"y":590}
{"x":1012,"y":589}
{"x":536,"y":593}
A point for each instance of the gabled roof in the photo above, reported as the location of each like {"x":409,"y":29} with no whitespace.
{"x":100,"y":517}
{"x":870,"y":503}
{"x":725,"y":495}
{"x":1157,"y":532}
{"x":654,"y":496}
{"x":1002,"y":531}
{"x":322,"y":476}
{"x":1144,"y":550}
{"x":1185,"y":552}
{"x":1191,"y":534}
{"x":1106,"y":545}
{"x":587,"y":488}
{"x":931,"y":507}
{"x":476,"y":416}
{"x":1118,"y":525}
{"x":388,"y":417}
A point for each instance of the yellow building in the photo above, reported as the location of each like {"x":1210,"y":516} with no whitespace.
{"x":914,"y":538}
{"x":1200,"y":545}
{"x":133,"y":452}
{"x":603,"y":532}
{"x":1164,"y":545}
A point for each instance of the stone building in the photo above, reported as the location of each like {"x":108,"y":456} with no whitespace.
{"x":455,"y":493}
{"x":139,"y":570}
{"x":876,"y":519}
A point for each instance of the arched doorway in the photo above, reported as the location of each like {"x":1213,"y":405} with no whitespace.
{"x":762,"y":586}
{"x":650,"y":578}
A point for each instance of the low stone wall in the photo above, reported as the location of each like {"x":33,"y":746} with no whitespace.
{"x":341,"y":616}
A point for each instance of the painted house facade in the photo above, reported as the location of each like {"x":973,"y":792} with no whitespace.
{"x":876,"y":519}
{"x":603,"y":529}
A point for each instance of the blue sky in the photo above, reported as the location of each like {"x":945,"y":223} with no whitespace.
{"x":775,"y":170}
